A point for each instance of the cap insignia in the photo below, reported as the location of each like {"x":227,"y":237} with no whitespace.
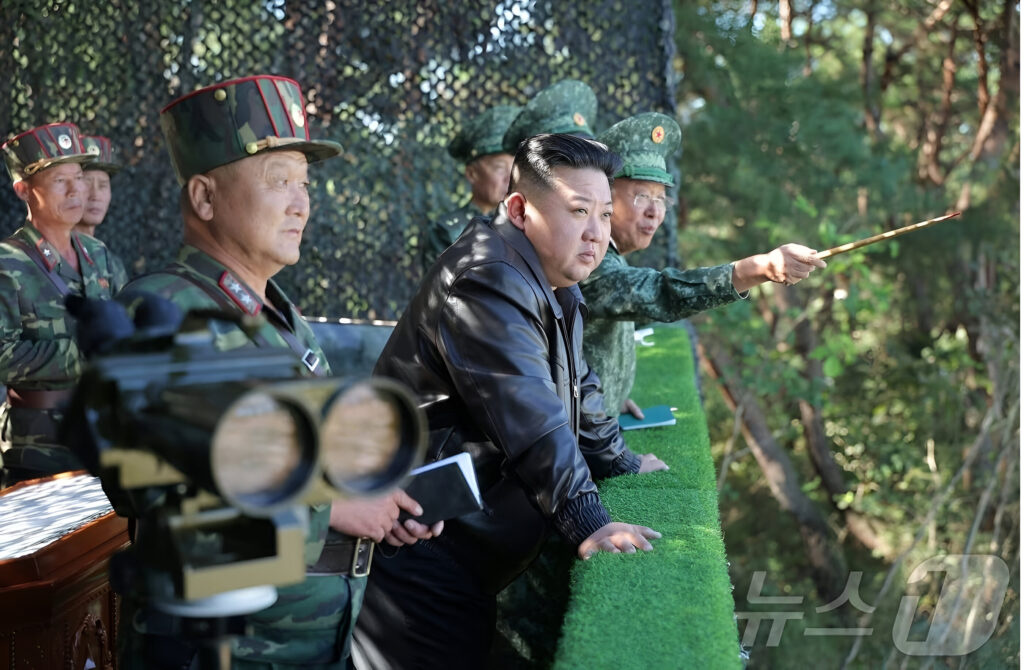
{"x":297,"y":116}
{"x":658,"y":134}
{"x":64,"y":141}
{"x":578,"y":119}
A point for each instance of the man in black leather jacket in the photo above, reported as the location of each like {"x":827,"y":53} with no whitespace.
{"x":491,"y":343}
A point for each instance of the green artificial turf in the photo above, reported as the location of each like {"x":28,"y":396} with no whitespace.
{"x":671,"y":607}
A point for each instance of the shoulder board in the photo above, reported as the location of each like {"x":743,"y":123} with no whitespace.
{"x":240,"y":295}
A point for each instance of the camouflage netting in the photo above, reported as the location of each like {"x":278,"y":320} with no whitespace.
{"x":389,"y":80}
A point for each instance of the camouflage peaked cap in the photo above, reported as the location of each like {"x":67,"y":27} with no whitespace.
{"x":226,"y":122}
{"x":569,"y":106}
{"x":43,"y":147}
{"x":644,"y":142}
{"x":482,"y":135}
{"x":103,"y":150}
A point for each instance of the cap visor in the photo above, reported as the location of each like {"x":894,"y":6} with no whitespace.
{"x":109,"y":168}
{"x":315,"y":150}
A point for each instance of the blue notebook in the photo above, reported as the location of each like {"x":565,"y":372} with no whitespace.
{"x":659,"y":415}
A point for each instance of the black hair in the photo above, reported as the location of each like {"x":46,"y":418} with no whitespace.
{"x":540,"y":154}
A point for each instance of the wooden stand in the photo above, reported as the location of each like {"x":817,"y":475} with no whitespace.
{"x":57,"y":609}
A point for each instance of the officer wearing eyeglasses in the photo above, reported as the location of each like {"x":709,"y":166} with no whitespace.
{"x":617,"y":294}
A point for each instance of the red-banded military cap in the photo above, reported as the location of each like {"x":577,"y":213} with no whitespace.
{"x":236,"y":119}
{"x":37,"y":149}
{"x":103,"y":150}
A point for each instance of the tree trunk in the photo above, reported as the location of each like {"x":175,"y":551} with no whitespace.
{"x":786,"y":20}
{"x":828,"y":569}
{"x":818,"y":446}
{"x":872,"y":113}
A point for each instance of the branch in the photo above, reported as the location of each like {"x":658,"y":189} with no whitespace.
{"x":827,"y":564}
{"x":938,"y":501}
{"x":728,"y":457}
{"x":892,"y":58}
{"x":1009,"y":72}
{"x":872,"y":114}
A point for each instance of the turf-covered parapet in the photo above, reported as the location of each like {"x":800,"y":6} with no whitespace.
{"x":672,"y":607}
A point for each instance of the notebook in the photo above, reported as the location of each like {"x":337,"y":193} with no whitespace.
{"x":659,"y":415}
{"x":444,"y":489}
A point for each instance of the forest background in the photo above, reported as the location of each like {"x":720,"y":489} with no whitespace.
{"x":863,"y":421}
{"x":876,"y":404}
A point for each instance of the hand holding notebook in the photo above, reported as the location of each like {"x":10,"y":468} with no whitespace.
{"x":444,"y":489}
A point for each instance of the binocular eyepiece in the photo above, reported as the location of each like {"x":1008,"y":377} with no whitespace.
{"x":240,"y":424}
{"x":221,"y":454}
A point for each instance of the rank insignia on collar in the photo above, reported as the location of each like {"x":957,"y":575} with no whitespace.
{"x":104,"y":284}
{"x":48,"y":252}
{"x":241,"y":296}
{"x":81,"y":247}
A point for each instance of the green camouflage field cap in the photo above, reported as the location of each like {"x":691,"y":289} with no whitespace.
{"x":569,"y":106}
{"x":226,"y":122}
{"x":103,"y":150}
{"x":482,"y":135}
{"x":644,"y":142}
{"x":43,"y":147}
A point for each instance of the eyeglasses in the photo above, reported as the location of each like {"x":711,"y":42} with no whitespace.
{"x":661,"y":203}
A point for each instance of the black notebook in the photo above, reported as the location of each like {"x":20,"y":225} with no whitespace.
{"x":444,"y":489}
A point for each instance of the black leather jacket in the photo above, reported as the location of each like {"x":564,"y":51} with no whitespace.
{"x":496,"y":356}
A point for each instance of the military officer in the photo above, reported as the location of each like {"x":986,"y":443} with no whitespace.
{"x":240,"y":150}
{"x":477,"y":146}
{"x":97,"y":182}
{"x":618,"y":294}
{"x":568,"y":106}
{"x":40,"y":264}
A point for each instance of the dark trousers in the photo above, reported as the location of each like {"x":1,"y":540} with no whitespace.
{"x":423,"y":610}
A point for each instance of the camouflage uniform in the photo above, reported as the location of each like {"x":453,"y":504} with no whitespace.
{"x":617,"y":294}
{"x":310,"y":624}
{"x":103,"y":150}
{"x":38,"y":351}
{"x":307,"y":624}
{"x":479,"y":137}
{"x":441,"y":233}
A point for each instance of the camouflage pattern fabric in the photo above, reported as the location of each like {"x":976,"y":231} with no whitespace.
{"x":38,"y":351}
{"x":482,"y":135}
{"x":186,"y":292}
{"x":301,"y":630}
{"x":442,"y":233}
{"x":44,"y":146}
{"x":103,"y":150}
{"x":644,"y":143}
{"x":569,"y":106}
{"x":618,"y":294}
{"x":304,"y":627}
{"x":226,"y":122}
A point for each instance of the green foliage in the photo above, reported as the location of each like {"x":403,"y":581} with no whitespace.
{"x":913,"y":343}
